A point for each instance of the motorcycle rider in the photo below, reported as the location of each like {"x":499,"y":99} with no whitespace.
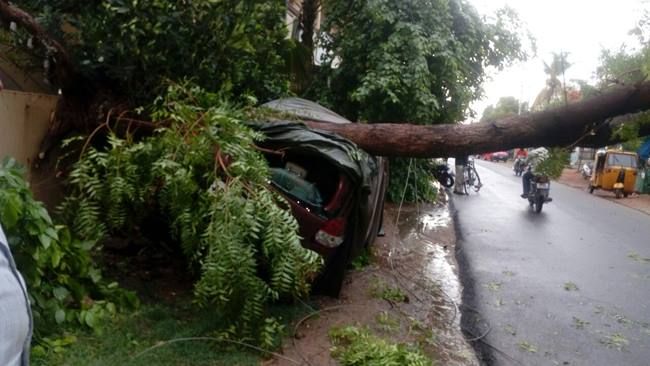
{"x":521,"y":153}
{"x":535,"y":157}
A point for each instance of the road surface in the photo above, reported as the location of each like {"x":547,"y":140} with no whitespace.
{"x":568,"y":286}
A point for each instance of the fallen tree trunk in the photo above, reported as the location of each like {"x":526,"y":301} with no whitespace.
{"x":563,"y":126}
{"x":576,"y":124}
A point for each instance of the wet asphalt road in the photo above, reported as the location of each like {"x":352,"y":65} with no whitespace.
{"x":568,"y":286}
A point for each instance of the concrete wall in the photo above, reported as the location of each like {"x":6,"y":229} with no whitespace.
{"x":24,"y":121}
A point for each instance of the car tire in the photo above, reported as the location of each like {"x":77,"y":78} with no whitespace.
{"x":330,"y":280}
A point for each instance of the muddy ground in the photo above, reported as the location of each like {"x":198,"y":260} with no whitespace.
{"x":414,"y":258}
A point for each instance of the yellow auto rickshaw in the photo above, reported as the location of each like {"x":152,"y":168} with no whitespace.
{"x":615,"y":171}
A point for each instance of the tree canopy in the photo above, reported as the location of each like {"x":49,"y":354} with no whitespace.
{"x":414,"y":60}
{"x":505,"y":107}
{"x":135,"y":47}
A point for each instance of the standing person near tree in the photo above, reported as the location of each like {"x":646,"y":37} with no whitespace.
{"x":15,"y":313}
{"x":461,"y":162}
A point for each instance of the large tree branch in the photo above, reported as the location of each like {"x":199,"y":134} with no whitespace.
{"x":562,"y":126}
{"x":64,"y":69}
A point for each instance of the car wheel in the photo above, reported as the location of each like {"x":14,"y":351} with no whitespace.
{"x":330,"y":280}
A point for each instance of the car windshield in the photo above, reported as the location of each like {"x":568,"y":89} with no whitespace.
{"x":624,"y":160}
{"x":297,"y":187}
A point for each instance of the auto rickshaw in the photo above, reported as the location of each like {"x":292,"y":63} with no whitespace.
{"x":615,"y":171}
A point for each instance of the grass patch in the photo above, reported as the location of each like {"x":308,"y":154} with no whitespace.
{"x":354,"y":346}
{"x":570,"y":286}
{"x":616,"y":340}
{"x":387,"y":322}
{"x":579,"y":323}
{"x":637,"y":258}
{"x":130,"y":335}
{"x":363,"y":260}
{"x":528,"y":347}
{"x":383,"y":291}
{"x":494,"y":286}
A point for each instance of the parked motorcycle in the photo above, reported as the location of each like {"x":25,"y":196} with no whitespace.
{"x":538,"y":195}
{"x":519,"y":166}
{"x":443,"y":174}
{"x":585,"y":170}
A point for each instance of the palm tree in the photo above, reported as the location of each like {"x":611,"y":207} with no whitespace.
{"x":555,"y":90}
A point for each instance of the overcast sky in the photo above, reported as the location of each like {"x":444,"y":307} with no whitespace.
{"x":581,"y":27}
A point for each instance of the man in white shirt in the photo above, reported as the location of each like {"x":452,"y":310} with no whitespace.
{"x":15,"y":313}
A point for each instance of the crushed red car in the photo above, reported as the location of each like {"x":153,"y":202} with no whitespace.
{"x":335,"y":190}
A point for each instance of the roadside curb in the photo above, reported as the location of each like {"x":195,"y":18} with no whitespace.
{"x":471,"y":322}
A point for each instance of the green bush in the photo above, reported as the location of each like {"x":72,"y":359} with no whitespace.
{"x":203,"y":176}
{"x":65,"y":286}
{"x":355,"y":346}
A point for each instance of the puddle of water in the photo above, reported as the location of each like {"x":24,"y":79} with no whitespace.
{"x":425,"y":254}
{"x":436,"y":219}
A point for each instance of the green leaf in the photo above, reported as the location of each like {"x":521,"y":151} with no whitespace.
{"x":56,"y":257}
{"x":45,"y":240}
{"x":90,"y":319}
{"x":59,"y":316}
{"x":60,"y":293}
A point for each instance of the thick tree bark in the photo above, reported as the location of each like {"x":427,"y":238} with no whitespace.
{"x":564,"y":126}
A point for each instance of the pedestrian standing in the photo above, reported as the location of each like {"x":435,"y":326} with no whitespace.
{"x":15,"y":314}
{"x":461,"y":163}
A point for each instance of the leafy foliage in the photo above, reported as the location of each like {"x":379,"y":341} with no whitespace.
{"x":357,"y":346}
{"x":625,"y":66}
{"x":65,"y":287}
{"x":134,"y":46}
{"x":415,"y":61}
{"x":410,"y":179}
{"x":505,"y":107}
{"x":629,"y":131}
{"x":557,"y":160}
{"x":203,"y":176}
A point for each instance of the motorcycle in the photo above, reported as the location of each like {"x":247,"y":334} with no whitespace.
{"x":443,"y":174}
{"x":585,"y":170}
{"x":538,"y":195}
{"x":519,"y":166}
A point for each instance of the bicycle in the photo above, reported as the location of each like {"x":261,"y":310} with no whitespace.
{"x":471,"y":179}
